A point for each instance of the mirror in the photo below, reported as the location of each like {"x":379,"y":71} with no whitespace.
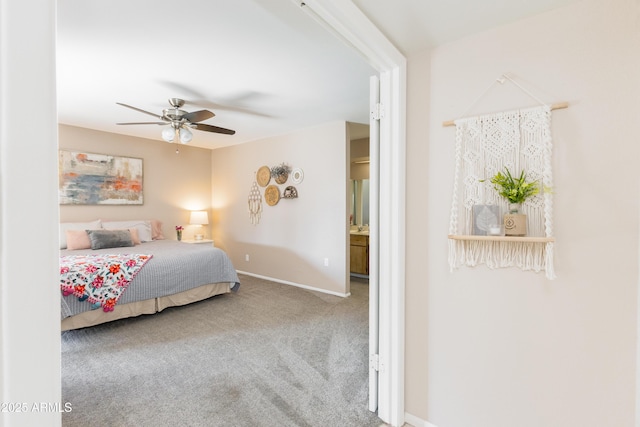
{"x":359,"y":202}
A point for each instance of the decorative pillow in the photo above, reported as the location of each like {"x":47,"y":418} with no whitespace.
{"x":64,"y":226}
{"x":144,"y":227}
{"x":135,"y":237}
{"x":156,"y":230}
{"x":103,"y":239}
{"x":77,"y":239}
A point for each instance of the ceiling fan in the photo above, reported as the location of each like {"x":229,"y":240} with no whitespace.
{"x":179,"y":121}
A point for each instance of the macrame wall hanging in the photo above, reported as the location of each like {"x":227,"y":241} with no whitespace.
{"x":485,"y":145}
{"x":255,"y":204}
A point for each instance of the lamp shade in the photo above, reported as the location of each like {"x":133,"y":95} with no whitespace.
{"x":168,"y":134}
{"x":185,"y":136}
{"x":199,"y":218}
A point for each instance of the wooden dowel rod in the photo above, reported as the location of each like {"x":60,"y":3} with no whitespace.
{"x":556,"y":106}
{"x":512,"y":239}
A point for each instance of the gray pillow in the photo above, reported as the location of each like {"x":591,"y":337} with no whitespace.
{"x":103,"y":239}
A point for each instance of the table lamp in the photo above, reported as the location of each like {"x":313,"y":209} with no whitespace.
{"x":199,"y":218}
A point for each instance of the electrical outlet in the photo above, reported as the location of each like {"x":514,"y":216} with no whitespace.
{"x":246,"y":257}
{"x":326,"y":262}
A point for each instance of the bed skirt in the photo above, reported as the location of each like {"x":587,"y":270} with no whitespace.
{"x":150,"y":306}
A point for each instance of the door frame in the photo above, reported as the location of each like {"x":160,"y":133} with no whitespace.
{"x":374,"y":253}
{"x":348,"y":23}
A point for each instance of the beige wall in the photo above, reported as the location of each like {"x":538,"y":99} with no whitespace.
{"x":295,"y":236}
{"x":417,"y":213}
{"x":359,"y":151}
{"x":173,"y":184}
{"x":506,"y":347}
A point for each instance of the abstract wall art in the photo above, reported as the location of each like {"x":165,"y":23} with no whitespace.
{"x":99,"y":179}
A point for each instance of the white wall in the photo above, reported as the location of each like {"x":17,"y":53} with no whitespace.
{"x":506,"y":347}
{"x":29,"y":320}
{"x":295,"y":236}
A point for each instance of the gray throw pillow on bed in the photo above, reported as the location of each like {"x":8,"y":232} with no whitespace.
{"x":103,"y":239}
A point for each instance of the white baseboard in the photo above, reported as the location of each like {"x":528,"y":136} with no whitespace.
{"x":297,"y":285}
{"x":415,"y":421}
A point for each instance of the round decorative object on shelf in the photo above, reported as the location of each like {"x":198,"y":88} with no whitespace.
{"x":297,"y":175}
{"x":290,"y":192}
{"x":272,"y":195}
{"x":263,"y":176}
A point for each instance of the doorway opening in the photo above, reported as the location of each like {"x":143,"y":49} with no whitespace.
{"x":359,"y":206}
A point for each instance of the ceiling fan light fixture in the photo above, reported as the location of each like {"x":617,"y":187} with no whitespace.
{"x":185,"y":135}
{"x":179,"y":122}
{"x":168,"y":134}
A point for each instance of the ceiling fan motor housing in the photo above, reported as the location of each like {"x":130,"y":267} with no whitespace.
{"x":176,"y":102}
{"x":173,"y":114}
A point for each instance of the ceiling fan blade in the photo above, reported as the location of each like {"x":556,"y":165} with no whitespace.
{"x":182,"y":89}
{"x":142,"y":111}
{"x":198,"y":116}
{"x":143,"y":123}
{"x":216,"y":129}
{"x":235,"y":103}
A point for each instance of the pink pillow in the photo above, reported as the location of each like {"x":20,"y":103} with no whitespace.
{"x":135,"y":237}
{"x":156,"y":230}
{"x":77,"y":239}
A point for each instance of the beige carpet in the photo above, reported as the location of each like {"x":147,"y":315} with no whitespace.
{"x":269,"y":355}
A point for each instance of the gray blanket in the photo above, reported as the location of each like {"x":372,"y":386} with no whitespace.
{"x":175,"y":267}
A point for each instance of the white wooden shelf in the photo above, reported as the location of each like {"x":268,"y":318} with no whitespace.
{"x":525,"y":239}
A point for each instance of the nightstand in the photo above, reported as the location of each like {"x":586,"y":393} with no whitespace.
{"x":199,"y":242}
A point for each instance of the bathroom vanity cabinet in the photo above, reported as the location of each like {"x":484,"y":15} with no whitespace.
{"x":359,"y":253}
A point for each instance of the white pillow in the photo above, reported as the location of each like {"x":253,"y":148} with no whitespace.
{"x":64,"y":226}
{"x":143,"y":227}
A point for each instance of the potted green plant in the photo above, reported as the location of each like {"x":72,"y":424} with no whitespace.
{"x":516,"y":191}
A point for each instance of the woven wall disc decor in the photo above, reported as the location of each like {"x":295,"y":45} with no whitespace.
{"x":272,"y":195}
{"x":282,"y":177}
{"x":263,"y":176}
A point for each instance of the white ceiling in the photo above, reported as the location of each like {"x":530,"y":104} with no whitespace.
{"x":415,"y":25}
{"x":264,"y":67}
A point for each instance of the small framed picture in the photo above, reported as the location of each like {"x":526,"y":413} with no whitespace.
{"x":487,"y":220}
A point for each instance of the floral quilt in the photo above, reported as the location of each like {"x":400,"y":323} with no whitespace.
{"x":99,"y":279}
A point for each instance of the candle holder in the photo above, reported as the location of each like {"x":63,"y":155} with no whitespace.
{"x":495,"y":230}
